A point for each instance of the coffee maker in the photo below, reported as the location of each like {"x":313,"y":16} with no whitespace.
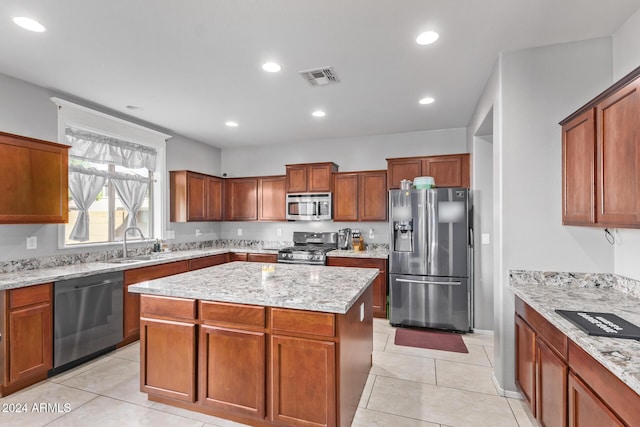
{"x":344,"y":238}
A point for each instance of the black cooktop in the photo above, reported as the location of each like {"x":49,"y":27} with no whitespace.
{"x":602,"y":324}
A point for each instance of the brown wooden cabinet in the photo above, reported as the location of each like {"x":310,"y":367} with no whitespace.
{"x":241,"y":201}
{"x":551,"y":386}
{"x":33,"y":181}
{"x":310,"y":402}
{"x":526,"y":362}
{"x":195,"y":197}
{"x":262,"y":258}
{"x":310,"y":177}
{"x":131,"y":301}
{"x":207,"y":261}
{"x":379,"y":283}
{"x":168,"y":339}
{"x":586,"y":409}
{"x":27,"y":332}
{"x":360,"y":196}
{"x":271,"y":198}
{"x":579,"y":170}
{"x":452,"y":170}
{"x":601,"y":158}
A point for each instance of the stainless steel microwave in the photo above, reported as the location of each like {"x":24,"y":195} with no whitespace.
{"x":309,"y":206}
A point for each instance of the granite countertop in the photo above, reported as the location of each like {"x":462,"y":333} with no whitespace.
{"x":295,"y":286}
{"x":22,"y":278}
{"x":546,"y":292}
{"x":369,"y":253}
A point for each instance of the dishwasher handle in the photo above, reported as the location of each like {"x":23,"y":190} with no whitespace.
{"x":429,"y":282}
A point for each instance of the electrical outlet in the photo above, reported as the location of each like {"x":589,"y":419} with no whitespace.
{"x":485,"y":239}
{"x":371,"y":233}
{"x":239,"y":231}
{"x":171,"y":234}
{"x":32,"y":242}
{"x":279,"y":232}
{"x":198,"y":233}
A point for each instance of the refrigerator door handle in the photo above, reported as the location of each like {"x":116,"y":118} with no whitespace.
{"x":428,"y":282}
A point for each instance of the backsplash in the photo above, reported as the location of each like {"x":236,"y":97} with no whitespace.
{"x":583,"y":280}
{"x":101,"y":256}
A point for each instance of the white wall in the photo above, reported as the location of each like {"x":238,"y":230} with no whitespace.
{"x":25,"y":109}
{"x":626,"y":57}
{"x":351,"y":154}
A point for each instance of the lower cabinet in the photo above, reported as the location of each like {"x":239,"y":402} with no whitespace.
{"x":379,"y":284}
{"x":586,"y":409}
{"x":562,"y":383}
{"x":304,"y":381}
{"x":168,"y":347}
{"x":207,"y":261}
{"x":28,"y":336}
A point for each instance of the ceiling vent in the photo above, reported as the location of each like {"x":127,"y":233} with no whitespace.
{"x":320,"y":76}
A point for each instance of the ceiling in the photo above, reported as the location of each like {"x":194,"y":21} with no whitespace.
{"x":193,"y":65}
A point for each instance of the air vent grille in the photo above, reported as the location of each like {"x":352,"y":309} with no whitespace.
{"x":320,"y":76}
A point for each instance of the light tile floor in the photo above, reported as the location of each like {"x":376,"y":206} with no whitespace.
{"x":406,"y":387}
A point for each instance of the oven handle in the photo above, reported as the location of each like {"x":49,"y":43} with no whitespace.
{"x":428,"y":282}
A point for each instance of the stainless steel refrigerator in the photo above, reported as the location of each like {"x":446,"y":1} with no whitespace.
{"x":430,"y":258}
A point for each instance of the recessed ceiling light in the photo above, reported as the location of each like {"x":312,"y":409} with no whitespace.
{"x":271,"y":67}
{"x":318,"y":113}
{"x":427,"y":37}
{"x":427,"y":100}
{"x":231,"y":124}
{"x":134,"y":108}
{"x":29,"y":24}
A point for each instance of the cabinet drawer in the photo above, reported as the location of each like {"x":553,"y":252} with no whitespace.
{"x":29,"y":295}
{"x":616,"y":394}
{"x":249,"y":315}
{"x":380,"y":264}
{"x":303,"y":322}
{"x":207,"y":261}
{"x":262,"y":258}
{"x":167,"y":307}
{"x":141,"y":274}
{"x":549,"y":333}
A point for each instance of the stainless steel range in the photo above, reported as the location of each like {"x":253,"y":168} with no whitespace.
{"x":309,"y":248}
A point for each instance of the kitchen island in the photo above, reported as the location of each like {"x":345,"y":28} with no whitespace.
{"x":290,"y":349}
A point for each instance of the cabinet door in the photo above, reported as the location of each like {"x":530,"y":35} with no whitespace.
{"x":237,"y":256}
{"x":296,"y":179}
{"x":213,"y":199}
{"x":551,"y":387}
{"x":618,"y":145}
{"x":345,"y":197}
{"x":399,"y":169}
{"x":207,"y":261}
{"x":586,"y":409}
{"x":271,"y":199}
{"x":319,"y":178}
{"x":447,"y":171}
{"x":31,"y":341}
{"x":311,"y":402}
{"x":262,"y":258}
{"x":167,"y":343}
{"x":196,"y":197}
{"x":526,"y":362}
{"x":578,"y":170}
{"x":232,"y":370}
{"x":131,"y":320}
{"x":33,"y":181}
{"x":242,"y":199}
{"x":372,"y":197}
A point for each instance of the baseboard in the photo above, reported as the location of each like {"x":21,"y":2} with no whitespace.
{"x":482,"y":331}
{"x":505,"y":393}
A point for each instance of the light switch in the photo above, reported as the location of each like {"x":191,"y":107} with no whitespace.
{"x":32,"y":242}
{"x":279,"y":232}
{"x":239,"y":231}
{"x":485,"y":239}
{"x":198,"y":233}
{"x":361,"y":312}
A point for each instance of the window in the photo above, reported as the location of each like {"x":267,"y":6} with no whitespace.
{"x":114,"y":178}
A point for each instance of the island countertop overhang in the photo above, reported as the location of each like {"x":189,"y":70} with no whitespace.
{"x":292,"y":286}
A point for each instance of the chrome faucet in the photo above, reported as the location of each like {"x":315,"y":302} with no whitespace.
{"x":124,"y":241}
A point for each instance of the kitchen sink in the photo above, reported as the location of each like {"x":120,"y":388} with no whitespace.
{"x":137,"y":258}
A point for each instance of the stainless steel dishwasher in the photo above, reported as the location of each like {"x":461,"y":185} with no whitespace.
{"x":87,"y":318}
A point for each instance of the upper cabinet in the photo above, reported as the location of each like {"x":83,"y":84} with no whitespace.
{"x":447,"y":171}
{"x":195,"y":197}
{"x":34,"y":178}
{"x":310,"y":177}
{"x":601,"y":159}
{"x":241,"y":199}
{"x":360,"y":196}
{"x":272,"y":198}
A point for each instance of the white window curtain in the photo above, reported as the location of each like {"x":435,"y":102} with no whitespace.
{"x":132,"y":194}
{"x":85,"y":183}
{"x":84,"y":188}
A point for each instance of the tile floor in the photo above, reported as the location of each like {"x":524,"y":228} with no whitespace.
{"x":406,"y":387}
